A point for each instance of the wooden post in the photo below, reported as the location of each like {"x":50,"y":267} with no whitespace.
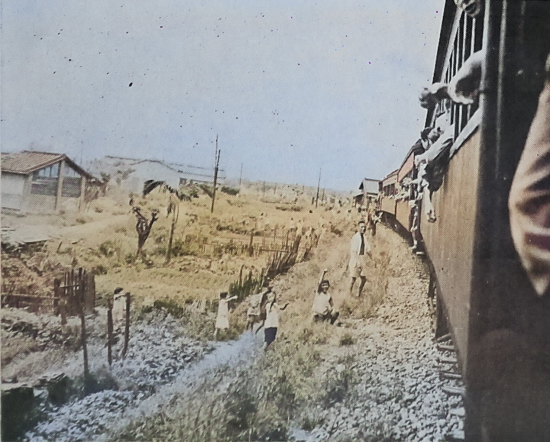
{"x":175,"y":213}
{"x":59,"y":191}
{"x":80,"y":303}
{"x":127,"y":326}
{"x":318,"y":185}
{"x":59,"y":293}
{"x":109,"y":331}
{"x":89,"y":292}
{"x":81,"y":198}
{"x":217,"y":163}
{"x":241,"y":177}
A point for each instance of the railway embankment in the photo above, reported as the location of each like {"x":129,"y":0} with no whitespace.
{"x":374,"y":377}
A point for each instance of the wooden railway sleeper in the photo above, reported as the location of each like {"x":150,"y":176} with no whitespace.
{"x":455,"y":391}
{"x":447,"y":360}
{"x":450,"y":375}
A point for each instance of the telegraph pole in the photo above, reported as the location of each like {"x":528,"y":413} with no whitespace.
{"x":318,"y":185}
{"x":241,"y":177}
{"x":217,"y":164}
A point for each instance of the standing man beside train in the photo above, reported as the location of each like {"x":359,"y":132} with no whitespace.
{"x":359,"y":250}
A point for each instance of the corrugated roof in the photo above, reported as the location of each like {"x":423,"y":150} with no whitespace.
{"x":28,"y":161}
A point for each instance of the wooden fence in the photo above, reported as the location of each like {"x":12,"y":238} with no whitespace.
{"x":255,"y":244}
{"x":75,"y":292}
{"x":76,"y":288}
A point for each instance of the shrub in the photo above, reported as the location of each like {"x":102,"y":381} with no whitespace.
{"x":339,"y":380}
{"x":292,"y":208}
{"x":108,"y":248}
{"x":207,"y":189}
{"x":347,"y":339}
{"x":170,"y":306}
{"x":100,"y":269}
{"x":229,"y":190}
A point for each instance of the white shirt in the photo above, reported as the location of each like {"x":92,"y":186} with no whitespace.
{"x":321,"y":304}
{"x":272,"y":315}
{"x":355,"y":247}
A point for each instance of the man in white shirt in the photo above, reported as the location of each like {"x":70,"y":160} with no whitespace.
{"x":359,"y":250}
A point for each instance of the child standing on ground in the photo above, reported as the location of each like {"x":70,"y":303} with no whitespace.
{"x":222,"y":321}
{"x":272,"y":319}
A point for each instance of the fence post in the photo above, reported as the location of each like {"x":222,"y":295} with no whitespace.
{"x":89,"y":294}
{"x":109,"y":331}
{"x":83,"y":333}
{"x":127,"y":326}
{"x":251,"y":244}
{"x":59,"y":293}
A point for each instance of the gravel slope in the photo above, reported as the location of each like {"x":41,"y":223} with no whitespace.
{"x":398,"y":392}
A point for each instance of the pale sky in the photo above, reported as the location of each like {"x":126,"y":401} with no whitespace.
{"x":290,"y":87}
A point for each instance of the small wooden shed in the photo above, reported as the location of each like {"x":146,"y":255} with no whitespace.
{"x":42,"y":182}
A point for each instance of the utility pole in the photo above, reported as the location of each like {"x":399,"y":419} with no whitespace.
{"x":217,"y":164}
{"x":318,"y":185}
{"x":241,"y":177}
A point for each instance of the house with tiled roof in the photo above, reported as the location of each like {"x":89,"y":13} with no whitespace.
{"x":42,"y":182}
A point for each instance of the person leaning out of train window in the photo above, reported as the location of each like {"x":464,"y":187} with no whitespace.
{"x":529,"y":200}
{"x":429,"y":164}
{"x":471,"y":7}
{"x":463,"y":87}
{"x":359,"y":251}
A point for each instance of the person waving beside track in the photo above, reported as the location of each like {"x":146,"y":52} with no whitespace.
{"x":272,"y":319}
{"x":359,"y":250}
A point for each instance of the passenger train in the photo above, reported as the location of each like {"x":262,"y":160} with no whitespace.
{"x":499,"y":326}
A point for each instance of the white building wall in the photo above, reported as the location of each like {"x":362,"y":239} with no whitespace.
{"x":13,"y":186}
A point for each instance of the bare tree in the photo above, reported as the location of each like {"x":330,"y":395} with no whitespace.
{"x":143,"y":227}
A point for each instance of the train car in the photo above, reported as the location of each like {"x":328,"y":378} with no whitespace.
{"x":500,"y":327}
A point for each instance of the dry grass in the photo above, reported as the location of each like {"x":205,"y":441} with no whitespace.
{"x":293,"y":381}
{"x":103,"y":238}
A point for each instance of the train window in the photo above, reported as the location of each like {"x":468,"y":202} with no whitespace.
{"x":466,"y":38}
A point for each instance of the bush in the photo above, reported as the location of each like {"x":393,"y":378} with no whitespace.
{"x":339,"y":381}
{"x":170,"y":306}
{"x":292,"y":208}
{"x":229,"y":190}
{"x":100,"y":269}
{"x":347,"y":339}
{"x":207,"y":189}
{"x":109,"y":248}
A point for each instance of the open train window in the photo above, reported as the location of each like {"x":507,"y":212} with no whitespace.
{"x":465,"y":38}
